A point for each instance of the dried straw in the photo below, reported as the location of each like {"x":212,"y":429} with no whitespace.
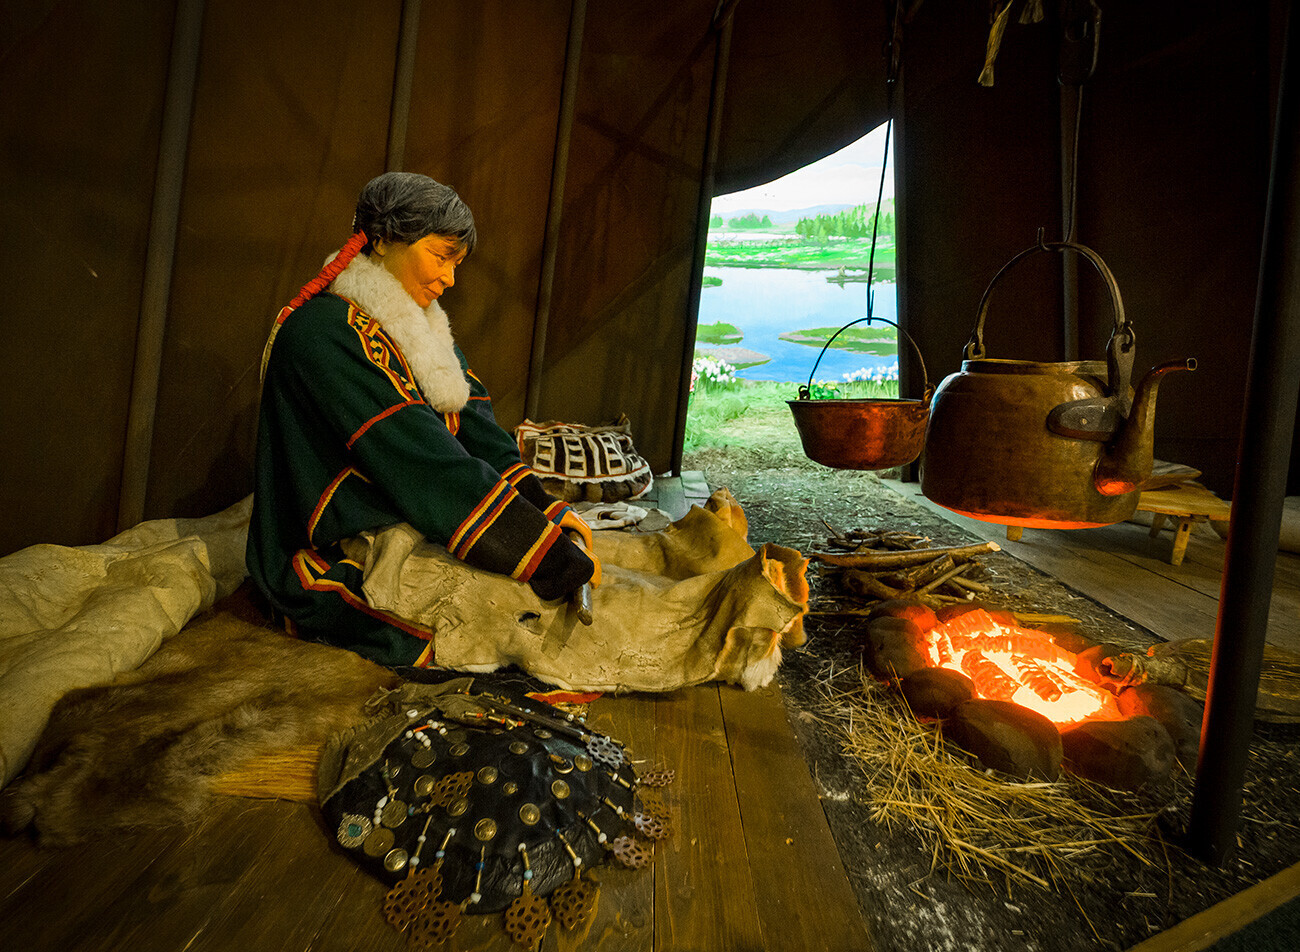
{"x":974,"y":824}
{"x":285,"y":775}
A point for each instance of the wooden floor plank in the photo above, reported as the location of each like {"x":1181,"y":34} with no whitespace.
{"x":624,"y":919}
{"x":704,"y":890}
{"x":62,"y":904}
{"x":1205,"y":929}
{"x":804,"y":898}
{"x":1153,"y":601}
{"x":1123,"y":569}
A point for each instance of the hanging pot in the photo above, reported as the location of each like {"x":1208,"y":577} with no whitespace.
{"x":862,"y":434}
{"x":1060,"y":445}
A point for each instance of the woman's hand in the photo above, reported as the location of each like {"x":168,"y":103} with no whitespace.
{"x":571,"y":522}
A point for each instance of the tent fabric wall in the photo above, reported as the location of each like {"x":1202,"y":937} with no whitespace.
{"x":1173,"y":165}
{"x":803,"y":80}
{"x":287,"y":119}
{"x":629,"y":217}
{"x":291,"y":118}
{"x":79,"y":125}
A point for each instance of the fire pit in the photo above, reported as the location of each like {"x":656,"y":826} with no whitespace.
{"x":1022,"y":704}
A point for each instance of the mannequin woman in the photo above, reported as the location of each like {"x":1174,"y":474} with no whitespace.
{"x":370,"y":417}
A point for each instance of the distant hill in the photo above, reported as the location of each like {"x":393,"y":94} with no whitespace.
{"x":786,"y":217}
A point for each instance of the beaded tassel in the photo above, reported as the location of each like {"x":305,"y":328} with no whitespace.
{"x":574,"y":901}
{"x":528,"y":916}
{"x":406,"y":900}
{"x":436,"y":922}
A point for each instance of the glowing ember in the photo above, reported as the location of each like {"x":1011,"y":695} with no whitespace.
{"x":1008,"y":663}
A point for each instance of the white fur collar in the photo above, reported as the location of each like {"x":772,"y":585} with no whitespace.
{"x":423,"y":334}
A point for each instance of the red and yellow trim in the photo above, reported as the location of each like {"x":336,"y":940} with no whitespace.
{"x":310,"y":568}
{"x":327,"y":495}
{"x":361,"y":430}
{"x":383,"y":353}
{"x":480,"y":519}
{"x":533,"y":557}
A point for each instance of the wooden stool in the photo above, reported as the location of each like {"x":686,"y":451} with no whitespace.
{"x":1189,"y":503}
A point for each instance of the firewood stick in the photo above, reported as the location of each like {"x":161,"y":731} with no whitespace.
{"x":932,"y":570}
{"x":901,"y":540}
{"x":951,"y":573}
{"x":970,"y":584}
{"x":839,"y":536}
{"x":895,"y":560}
{"x":863,"y":583}
{"x":1035,"y":618}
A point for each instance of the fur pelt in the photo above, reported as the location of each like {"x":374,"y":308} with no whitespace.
{"x":424,"y":334}
{"x":144,"y":750}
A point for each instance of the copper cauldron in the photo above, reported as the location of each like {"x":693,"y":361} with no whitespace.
{"x":1049,"y":445}
{"x":862,"y":434}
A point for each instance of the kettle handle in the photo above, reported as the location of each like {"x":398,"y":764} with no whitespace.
{"x":1119,"y":350}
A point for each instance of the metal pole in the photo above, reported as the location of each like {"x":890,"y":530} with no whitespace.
{"x":400,"y":110}
{"x":160,"y":255}
{"x":554,"y":210}
{"x":1071,"y":107}
{"x":723,"y":18}
{"x":1272,"y":386}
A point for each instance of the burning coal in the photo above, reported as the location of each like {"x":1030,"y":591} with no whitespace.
{"x":1009,"y":663}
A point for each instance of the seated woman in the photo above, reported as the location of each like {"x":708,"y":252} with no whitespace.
{"x":370,"y":417}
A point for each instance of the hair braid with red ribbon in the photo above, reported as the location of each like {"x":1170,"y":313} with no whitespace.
{"x":331,"y":270}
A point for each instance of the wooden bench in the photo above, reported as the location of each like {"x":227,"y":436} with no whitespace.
{"x":1189,"y":503}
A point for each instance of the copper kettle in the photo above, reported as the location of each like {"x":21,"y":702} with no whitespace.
{"x":1048,"y":445}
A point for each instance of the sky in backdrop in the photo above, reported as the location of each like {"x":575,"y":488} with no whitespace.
{"x":850,"y":176}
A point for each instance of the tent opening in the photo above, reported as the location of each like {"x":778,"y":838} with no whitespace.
{"x":788,"y":264}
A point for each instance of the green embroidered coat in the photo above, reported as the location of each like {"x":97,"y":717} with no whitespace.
{"x":347,"y":442}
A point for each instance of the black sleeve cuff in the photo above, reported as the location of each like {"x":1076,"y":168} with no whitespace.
{"x":563,"y":569}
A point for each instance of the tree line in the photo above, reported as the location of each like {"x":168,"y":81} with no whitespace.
{"x":742,"y":221}
{"x":855,"y":222}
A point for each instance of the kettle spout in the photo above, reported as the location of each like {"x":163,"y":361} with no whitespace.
{"x":1128,"y":459}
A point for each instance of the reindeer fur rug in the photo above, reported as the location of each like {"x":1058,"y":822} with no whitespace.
{"x":144,"y":750}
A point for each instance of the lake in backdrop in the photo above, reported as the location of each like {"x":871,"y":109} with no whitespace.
{"x":764,"y":303}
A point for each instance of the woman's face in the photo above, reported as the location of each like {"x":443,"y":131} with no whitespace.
{"x":426,"y":268}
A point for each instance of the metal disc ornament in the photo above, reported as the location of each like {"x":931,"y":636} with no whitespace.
{"x":455,"y":826}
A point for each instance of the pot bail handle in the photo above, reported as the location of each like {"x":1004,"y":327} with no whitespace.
{"x":805,"y":392}
{"x":1119,"y":349}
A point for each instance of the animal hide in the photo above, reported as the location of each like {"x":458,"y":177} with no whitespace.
{"x":144,"y":750}
{"x":689,"y":604}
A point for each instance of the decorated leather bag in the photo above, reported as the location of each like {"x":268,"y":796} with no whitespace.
{"x":472,"y":800}
{"x":585,"y":463}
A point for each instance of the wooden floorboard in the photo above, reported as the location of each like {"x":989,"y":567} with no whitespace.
{"x":749,"y":865}
{"x":704,"y":886}
{"x":804,"y":897}
{"x":1205,"y":929}
{"x":625,"y":916}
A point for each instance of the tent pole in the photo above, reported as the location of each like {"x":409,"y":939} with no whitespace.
{"x":400,"y":111}
{"x":160,"y":255}
{"x":555,"y":206}
{"x":723,"y":18}
{"x":1272,"y":386}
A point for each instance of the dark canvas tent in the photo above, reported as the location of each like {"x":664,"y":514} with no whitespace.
{"x":171,"y":175}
